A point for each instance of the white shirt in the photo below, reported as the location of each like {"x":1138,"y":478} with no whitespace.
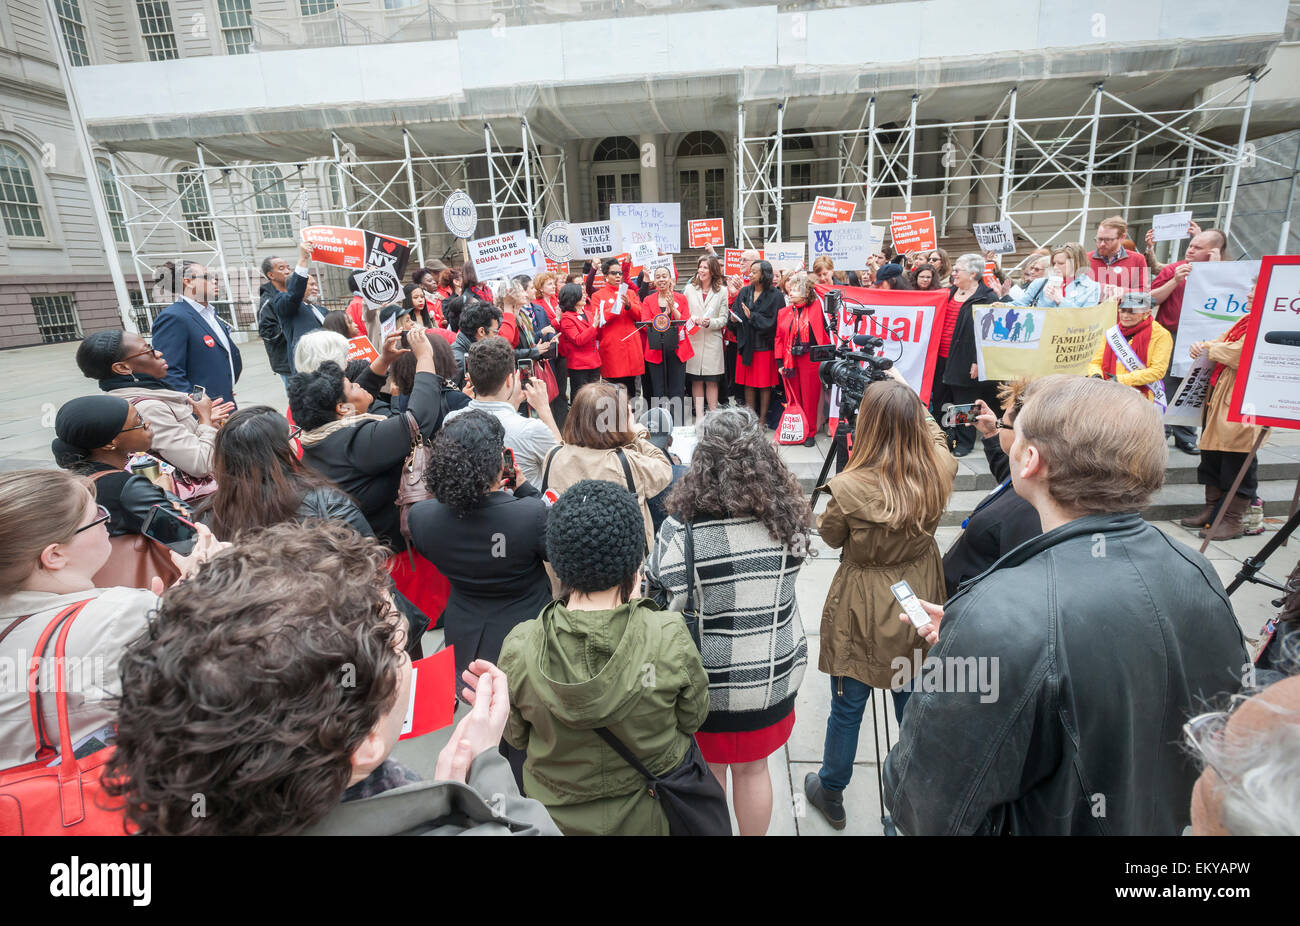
{"x":208,"y":315}
{"x":529,"y":438}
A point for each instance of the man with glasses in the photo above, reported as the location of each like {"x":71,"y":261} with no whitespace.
{"x":196,"y":343}
{"x":1115,"y":268}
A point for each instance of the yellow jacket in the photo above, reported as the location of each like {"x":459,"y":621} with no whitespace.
{"x":1159,"y":351}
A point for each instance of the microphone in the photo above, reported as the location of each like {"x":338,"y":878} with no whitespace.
{"x":1285,"y":338}
{"x":866,"y":340}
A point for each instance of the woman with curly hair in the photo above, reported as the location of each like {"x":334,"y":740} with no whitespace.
{"x":748,"y":524}
{"x":490,"y":543}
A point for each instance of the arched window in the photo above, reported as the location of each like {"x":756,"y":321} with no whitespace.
{"x":701,"y":144}
{"x":18,"y":202}
{"x":796,"y":141}
{"x":113,"y":200}
{"x":616,"y":148}
{"x":272,"y":203}
{"x":194,"y":204}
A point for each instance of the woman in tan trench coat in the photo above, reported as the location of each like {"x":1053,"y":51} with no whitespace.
{"x":883,"y":511}
{"x":1224,"y":444}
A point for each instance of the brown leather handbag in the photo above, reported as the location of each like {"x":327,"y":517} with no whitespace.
{"x":135,"y":560}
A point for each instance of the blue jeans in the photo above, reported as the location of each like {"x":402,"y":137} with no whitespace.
{"x":842,"y":729}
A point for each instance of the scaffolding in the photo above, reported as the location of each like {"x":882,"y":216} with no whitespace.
{"x":1052,"y":177}
{"x":218,"y":214}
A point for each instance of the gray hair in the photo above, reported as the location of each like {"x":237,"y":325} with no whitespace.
{"x":971,"y":263}
{"x":726,"y":428}
{"x":315,"y":347}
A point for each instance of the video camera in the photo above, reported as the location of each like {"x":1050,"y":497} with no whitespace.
{"x":843,"y":367}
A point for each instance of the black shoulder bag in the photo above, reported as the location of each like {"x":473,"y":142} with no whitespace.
{"x":691,"y":613}
{"x":689,"y":795}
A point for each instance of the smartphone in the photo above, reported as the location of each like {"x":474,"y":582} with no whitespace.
{"x":198,"y":393}
{"x":962,"y":414}
{"x":508,"y":463}
{"x":911,"y":606}
{"x":525,"y":371}
{"x":171,"y":530}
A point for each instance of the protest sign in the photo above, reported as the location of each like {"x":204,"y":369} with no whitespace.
{"x":784,"y":255}
{"x":501,"y":255}
{"x":849,"y":244}
{"x":1172,"y":226}
{"x":641,"y":252}
{"x":658,"y":222}
{"x":433,"y":694}
{"x":460,"y":215}
{"x":655,"y":263}
{"x":360,"y":348}
{"x":995,"y":236}
{"x":826,"y":211}
{"x":1186,"y":407}
{"x":356,"y":248}
{"x":731,"y":260}
{"x":912,"y":231}
{"x":1214,"y":297}
{"x":379,"y":287}
{"x":560,"y":267}
{"x":1013,"y":342}
{"x":595,"y":239}
{"x":905,"y":319}
{"x":555,"y":242}
{"x":1267,"y":389}
{"x":702,"y":233}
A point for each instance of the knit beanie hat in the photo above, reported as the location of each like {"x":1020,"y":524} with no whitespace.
{"x":595,"y":536}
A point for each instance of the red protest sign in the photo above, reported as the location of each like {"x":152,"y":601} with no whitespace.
{"x":360,"y":348}
{"x":705,"y":232}
{"x":558,"y":266}
{"x":356,"y":248}
{"x":731,"y":264}
{"x":1268,"y":377}
{"x":826,"y":211}
{"x":912,"y":231}
{"x":433,"y":694}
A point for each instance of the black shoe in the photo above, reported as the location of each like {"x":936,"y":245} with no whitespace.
{"x":960,"y":451}
{"x":1186,"y":446}
{"x":810,"y":442}
{"x":830,"y":803}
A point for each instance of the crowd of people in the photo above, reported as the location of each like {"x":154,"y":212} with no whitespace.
{"x":623,"y":621}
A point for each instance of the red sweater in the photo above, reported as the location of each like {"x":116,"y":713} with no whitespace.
{"x":1130,"y":272}
{"x":578,"y":342}
{"x":621,"y":353}
{"x":802,"y":325}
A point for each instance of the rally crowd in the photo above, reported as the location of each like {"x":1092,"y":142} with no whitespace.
{"x":625,"y":623}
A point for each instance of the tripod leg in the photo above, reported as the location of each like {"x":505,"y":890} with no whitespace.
{"x":1253,"y":564}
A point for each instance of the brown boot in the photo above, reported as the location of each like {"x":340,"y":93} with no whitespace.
{"x":1230,"y":527}
{"x":1203,"y":517}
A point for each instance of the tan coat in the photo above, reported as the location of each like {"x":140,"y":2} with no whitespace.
{"x":177,"y":435}
{"x":860,"y":630}
{"x":1219,"y":433}
{"x":707,"y":342}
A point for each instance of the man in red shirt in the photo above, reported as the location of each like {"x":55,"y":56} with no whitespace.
{"x":1167,"y":291}
{"x":1116,"y":269}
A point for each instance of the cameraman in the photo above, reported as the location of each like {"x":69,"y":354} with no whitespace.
{"x":498,"y":390}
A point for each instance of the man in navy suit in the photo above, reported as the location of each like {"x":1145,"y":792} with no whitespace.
{"x":196,"y":344}
{"x":295,"y":316}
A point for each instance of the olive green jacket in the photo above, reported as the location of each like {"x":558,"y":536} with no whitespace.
{"x":634,"y":670}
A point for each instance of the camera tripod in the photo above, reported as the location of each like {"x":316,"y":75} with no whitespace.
{"x":1251,"y":565}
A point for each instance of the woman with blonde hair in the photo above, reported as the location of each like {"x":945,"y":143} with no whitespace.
{"x":883,"y":510}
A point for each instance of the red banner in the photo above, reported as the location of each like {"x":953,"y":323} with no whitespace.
{"x":731,"y":264}
{"x":912,"y":231}
{"x":704,"y":232}
{"x":826,"y":211}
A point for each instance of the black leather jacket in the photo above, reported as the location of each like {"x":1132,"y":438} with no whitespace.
{"x":1109,"y":636}
{"x":329,"y":504}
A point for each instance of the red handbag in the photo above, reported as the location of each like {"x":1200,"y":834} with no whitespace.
{"x":41,"y":798}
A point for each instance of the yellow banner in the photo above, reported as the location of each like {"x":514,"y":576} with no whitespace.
{"x":1015,"y":341}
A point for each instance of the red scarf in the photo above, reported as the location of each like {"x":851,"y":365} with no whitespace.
{"x":1138,"y":337}
{"x":1235,"y":333}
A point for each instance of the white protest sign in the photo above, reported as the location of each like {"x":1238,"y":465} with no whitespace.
{"x":1186,"y":406}
{"x":849,"y":244}
{"x":1267,"y":390}
{"x":784,"y":255}
{"x":1172,"y":226}
{"x":595,"y":239}
{"x":555,"y":242}
{"x":655,"y":263}
{"x":1214,"y":297}
{"x":501,"y":255}
{"x":995,"y":236}
{"x":643,"y":252}
{"x":459,"y":214}
{"x":658,"y":222}
{"x":379,"y":287}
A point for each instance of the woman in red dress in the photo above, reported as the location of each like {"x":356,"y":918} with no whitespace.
{"x":799,"y":326}
{"x":757,"y":306}
{"x":622,"y":359}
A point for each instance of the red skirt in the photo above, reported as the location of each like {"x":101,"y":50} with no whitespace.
{"x":760,"y":373}
{"x":749,"y":746}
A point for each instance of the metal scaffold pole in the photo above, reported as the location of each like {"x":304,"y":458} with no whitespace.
{"x":216,"y":235}
{"x":410,"y":186}
{"x":1241,"y":150}
{"x":1092,"y":160}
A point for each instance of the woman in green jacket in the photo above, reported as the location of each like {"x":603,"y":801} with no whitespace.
{"x":600,"y":658}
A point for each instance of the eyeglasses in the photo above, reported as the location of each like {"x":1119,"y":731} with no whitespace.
{"x":135,"y":427}
{"x":1002,"y":425}
{"x":150,"y":349}
{"x":1107,"y":240}
{"x":614,"y":273}
{"x":1210,"y":726}
{"x":103,"y":516}
{"x":294,"y":433}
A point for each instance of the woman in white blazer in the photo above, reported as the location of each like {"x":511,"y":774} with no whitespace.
{"x":706,"y":297}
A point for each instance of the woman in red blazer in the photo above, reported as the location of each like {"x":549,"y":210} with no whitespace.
{"x":799,"y":326}
{"x":669,"y":349}
{"x":577,"y":339}
{"x":621,"y":358}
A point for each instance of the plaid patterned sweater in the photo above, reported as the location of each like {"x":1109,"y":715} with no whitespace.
{"x":754,"y":648}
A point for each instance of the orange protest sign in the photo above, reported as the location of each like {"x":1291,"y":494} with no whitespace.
{"x":705,"y":232}
{"x":360,"y":348}
{"x":912,"y":231}
{"x":342,"y":247}
{"x":826,"y":211}
{"x":433,"y":694}
{"x":731,"y":265}
{"x":558,"y":266}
